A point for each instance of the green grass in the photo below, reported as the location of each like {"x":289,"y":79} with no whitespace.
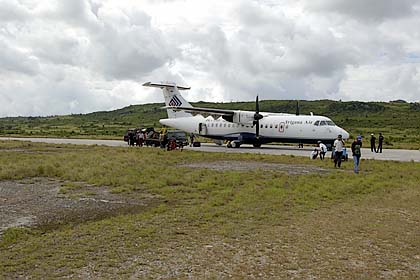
{"x":195,"y":207}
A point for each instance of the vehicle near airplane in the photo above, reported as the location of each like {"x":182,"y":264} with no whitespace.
{"x":245,"y":127}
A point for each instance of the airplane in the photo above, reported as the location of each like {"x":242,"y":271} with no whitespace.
{"x":238,"y":127}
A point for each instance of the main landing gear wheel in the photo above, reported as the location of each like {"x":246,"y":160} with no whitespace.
{"x":257,"y":145}
{"x":235,"y":144}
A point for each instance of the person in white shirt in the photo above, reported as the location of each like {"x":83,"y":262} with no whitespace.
{"x":314,"y":153}
{"x":338,"y":150}
{"x":322,"y":150}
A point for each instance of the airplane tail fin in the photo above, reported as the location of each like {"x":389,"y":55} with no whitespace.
{"x":173,"y":98}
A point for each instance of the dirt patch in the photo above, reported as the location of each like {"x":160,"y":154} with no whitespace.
{"x":252,"y":165}
{"x":39,"y":202}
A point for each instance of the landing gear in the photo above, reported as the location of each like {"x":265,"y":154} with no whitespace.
{"x":256,"y":145}
{"x":233,"y":144}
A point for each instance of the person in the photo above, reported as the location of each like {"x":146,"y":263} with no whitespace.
{"x":372,"y":142}
{"x":131,"y":138}
{"x":356,"y":148}
{"x":380,"y":141}
{"x":300,"y":145}
{"x":191,"y":139}
{"x":314,"y":153}
{"x":322,"y":150}
{"x":171,"y":144}
{"x":338,"y":150}
{"x":163,"y":137}
{"x":140,"y":138}
{"x":145,"y":137}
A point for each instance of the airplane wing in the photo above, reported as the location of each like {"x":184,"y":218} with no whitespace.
{"x":220,"y":112}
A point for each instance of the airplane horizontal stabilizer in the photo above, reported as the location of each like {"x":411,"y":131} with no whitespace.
{"x":165,"y":85}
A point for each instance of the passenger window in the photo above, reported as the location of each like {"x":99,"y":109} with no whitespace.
{"x":224,"y":125}
{"x":271,"y":125}
{"x":323,"y":123}
{"x":262,"y":126}
{"x":316,"y":123}
{"x":276,"y":126}
{"x":266,"y":126}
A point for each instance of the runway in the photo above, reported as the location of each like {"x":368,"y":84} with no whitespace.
{"x":387,"y":154}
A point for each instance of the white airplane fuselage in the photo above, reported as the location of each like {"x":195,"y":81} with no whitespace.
{"x":273,"y":128}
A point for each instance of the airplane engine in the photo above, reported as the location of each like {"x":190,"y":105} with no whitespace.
{"x":241,"y":117}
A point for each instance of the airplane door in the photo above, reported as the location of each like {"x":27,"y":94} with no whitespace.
{"x":202,"y":129}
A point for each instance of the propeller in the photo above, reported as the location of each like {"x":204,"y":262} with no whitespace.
{"x":257,"y":118}
{"x":297,"y":107}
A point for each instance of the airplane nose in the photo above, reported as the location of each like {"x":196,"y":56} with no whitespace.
{"x":345,"y":134}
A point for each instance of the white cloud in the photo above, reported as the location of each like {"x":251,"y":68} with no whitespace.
{"x":60,"y":57}
{"x":372,"y":10}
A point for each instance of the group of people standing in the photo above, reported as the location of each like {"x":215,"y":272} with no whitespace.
{"x":356,"y":149}
{"x":373,"y":147}
{"x":136,"y":138}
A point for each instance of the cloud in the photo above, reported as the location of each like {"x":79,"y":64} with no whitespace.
{"x":89,"y":55}
{"x":17,"y":60}
{"x":373,"y":10}
{"x":13,"y":11}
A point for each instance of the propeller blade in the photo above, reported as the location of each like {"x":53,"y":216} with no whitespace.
{"x":257,"y":129}
{"x":297,"y":108}
{"x":257,"y":118}
{"x":257,"y":115}
{"x":257,"y":106}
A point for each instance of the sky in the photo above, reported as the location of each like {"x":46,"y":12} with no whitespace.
{"x":79,"y":56}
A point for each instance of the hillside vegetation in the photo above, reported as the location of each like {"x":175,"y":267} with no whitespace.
{"x":398,"y":121}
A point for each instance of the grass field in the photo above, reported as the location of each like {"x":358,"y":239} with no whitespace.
{"x":276,"y":217}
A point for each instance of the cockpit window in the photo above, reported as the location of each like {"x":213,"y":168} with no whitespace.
{"x":331,"y":123}
{"x":316,"y":123}
{"x":322,"y":123}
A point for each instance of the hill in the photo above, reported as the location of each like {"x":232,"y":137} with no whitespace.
{"x":398,"y":121}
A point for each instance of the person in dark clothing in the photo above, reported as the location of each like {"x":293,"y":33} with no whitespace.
{"x":372,"y":143}
{"x":191,"y":139}
{"x":131,"y":138}
{"x":356,"y":148}
{"x":380,"y":141}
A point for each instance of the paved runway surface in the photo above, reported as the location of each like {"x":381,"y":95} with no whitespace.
{"x":388,"y":154}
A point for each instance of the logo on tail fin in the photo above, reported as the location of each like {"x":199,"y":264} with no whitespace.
{"x":175,"y":102}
